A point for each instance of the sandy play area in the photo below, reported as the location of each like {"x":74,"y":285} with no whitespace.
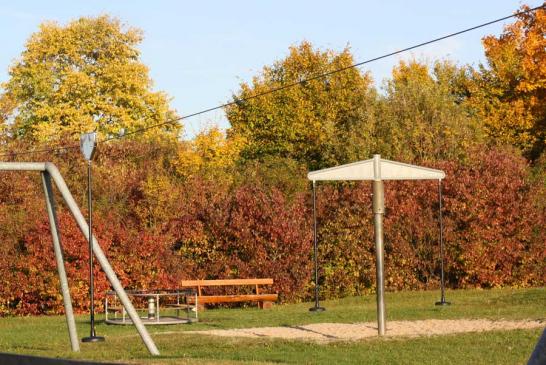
{"x":327,"y":332}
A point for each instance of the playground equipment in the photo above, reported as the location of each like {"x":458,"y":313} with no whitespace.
{"x":377,"y":170}
{"x":49,"y":171}
{"x":158,"y":306}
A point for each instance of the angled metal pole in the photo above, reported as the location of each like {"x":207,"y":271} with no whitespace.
{"x":378,"y":211}
{"x":50,"y":205}
{"x":442,"y":275}
{"x":317,"y":307}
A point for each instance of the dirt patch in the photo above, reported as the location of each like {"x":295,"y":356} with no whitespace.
{"x":328,"y":332}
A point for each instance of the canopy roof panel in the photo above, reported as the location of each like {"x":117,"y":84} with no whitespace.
{"x":385,"y":170}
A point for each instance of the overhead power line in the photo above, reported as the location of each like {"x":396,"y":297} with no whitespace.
{"x":284,"y":87}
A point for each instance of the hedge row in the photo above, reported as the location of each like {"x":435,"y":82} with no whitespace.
{"x":157,"y":228}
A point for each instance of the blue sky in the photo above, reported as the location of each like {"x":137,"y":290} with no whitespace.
{"x":199,"y":52}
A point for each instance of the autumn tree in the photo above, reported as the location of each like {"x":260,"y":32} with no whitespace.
{"x":422,"y":115}
{"x":81,"y":77}
{"x":210,"y":153}
{"x":321,"y":122}
{"x":509,"y":92}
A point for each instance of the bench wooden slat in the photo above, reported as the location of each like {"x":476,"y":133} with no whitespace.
{"x":235,"y":298}
{"x":223,"y":282}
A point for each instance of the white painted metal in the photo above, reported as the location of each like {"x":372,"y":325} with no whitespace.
{"x":388,"y":170}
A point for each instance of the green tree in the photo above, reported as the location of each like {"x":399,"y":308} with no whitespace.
{"x":84,"y":76}
{"x":422,"y":114}
{"x":322,"y":122}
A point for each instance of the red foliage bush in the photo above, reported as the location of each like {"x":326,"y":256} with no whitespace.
{"x":494,"y":230}
{"x":247,"y":232}
{"x":138,"y":258}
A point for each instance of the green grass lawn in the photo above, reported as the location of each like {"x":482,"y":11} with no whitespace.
{"x":47,"y":336}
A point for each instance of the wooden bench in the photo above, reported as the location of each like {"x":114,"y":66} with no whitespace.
{"x":264,"y":300}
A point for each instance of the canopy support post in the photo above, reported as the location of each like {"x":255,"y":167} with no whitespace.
{"x":378,"y":211}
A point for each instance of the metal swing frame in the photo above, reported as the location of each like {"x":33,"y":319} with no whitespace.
{"x":50,"y":172}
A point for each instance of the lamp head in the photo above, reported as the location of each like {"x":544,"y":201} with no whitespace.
{"x":88,"y":144}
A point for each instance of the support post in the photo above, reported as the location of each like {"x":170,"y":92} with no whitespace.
{"x":50,"y":206}
{"x":378,"y":211}
{"x":317,"y":307}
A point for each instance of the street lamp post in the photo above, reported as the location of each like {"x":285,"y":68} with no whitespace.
{"x":87,"y":147}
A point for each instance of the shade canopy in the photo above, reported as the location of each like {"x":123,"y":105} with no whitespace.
{"x":383,"y":170}
{"x":376,"y":169}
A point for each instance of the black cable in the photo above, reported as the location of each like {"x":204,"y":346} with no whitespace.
{"x":290,"y":85}
{"x":301,"y":82}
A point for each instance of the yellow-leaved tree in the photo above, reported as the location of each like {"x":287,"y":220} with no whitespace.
{"x":423,"y":116}
{"x":209,"y":154}
{"x":509,"y":93}
{"x":85,"y":76}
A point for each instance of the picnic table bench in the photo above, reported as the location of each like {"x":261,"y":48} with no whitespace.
{"x":265,"y":300}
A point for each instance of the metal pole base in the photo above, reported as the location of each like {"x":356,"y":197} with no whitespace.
{"x":317,"y":309}
{"x":442,"y":302}
{"x":93,"y":339}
